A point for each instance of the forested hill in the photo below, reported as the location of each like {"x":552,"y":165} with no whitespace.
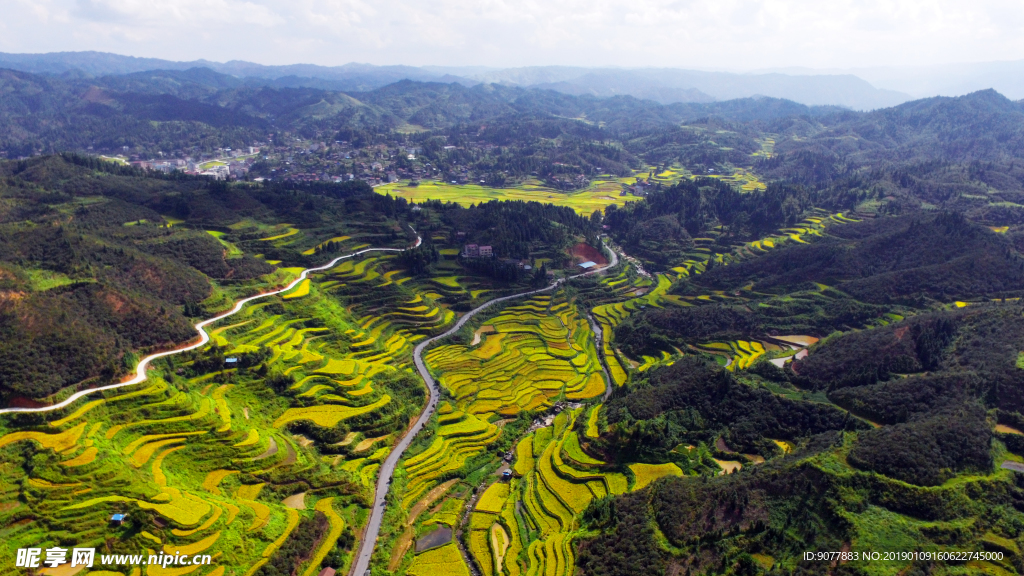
{"x":955,"y":153}
{"x":981,"y":126}
{"x":98,"y":261}
{"x":903,"y":423}
{"x":206,"y":108}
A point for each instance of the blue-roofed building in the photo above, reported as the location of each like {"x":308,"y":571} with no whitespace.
{"x":231,"y":360}
{"x":588,"y":264}
{"x":118,"y":518}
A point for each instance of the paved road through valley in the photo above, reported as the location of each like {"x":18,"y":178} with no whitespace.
{"x":361,"y":565}
{"x":387,"y":470}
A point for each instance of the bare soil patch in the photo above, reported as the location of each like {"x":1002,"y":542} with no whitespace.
{"x":586,"y":252}
{"x":296,"y":501}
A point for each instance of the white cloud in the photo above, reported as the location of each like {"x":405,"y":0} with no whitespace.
{"x":734,"y":34}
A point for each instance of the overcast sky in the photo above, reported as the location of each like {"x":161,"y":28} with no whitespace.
{"x":718,"y":34}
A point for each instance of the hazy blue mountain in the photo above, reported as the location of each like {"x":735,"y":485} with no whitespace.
{"x":358,"y":77}
{"x":667,"y":85}
{"x":663,"y":85}
{"x":937,"y":80}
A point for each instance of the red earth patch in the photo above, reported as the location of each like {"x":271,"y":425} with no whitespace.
{"x":585,"y":252}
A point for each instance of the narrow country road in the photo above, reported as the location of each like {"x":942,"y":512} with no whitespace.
{"x":599,"y":340}
{"x":361,"y":566}
{"x":387,"y":470}
{"x":599,"y":336}
{"x":140,"y":370}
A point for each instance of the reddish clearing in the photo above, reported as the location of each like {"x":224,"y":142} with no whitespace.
{"x":585,"y":252}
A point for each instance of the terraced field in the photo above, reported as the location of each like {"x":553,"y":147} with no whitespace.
{"x":527,"y":525}
{"x":648,"y":292}
{"x":154,"y":453}
{"x":538,"y":350}
{"x":459,"y":436}
{"x":203,"y":458}
{"x":208,"y":460}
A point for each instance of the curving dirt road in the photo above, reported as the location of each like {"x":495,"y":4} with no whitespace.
{"x":140,"y":370}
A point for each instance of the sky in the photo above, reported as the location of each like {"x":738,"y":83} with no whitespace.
{"x":732,"y":35}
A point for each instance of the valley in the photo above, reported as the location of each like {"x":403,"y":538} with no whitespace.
{"x":697,"y":339}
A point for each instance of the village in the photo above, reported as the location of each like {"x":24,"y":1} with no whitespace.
{"x":286,"y":157}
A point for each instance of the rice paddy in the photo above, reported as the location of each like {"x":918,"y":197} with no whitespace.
{"x":647,"y":473}
{"x":523,"y":358}
{"x":603,"y":192}
{"x":204,"y":457}
{"x":211,"y":459}
{"x":460,"y":436}
{"x":538,"y":350}
{"x":543,"y":502}
{"x":443,"y":561}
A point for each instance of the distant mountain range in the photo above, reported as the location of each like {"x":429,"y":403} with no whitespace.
{"x":665,"y":85}
{"x":159,"y":110}
{"x":669,"y":85}
{"x":939,"y":80}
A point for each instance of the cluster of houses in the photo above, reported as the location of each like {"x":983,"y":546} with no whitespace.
{"x":475,"y":251}
{"x":572,"y":182}
{"x":232,"y":169}
{"x":642,"y":187}
{"x":161,"y":165}
{"x":232,"y":164}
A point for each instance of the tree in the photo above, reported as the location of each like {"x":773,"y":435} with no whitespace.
{"x":540,"y":276}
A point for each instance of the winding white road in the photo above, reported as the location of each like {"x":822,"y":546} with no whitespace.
{"x":387,"y":470}
{"x":140,"y":370}
{"x":361,"y":566}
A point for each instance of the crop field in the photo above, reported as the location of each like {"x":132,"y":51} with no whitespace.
{"x":646,"y":473}
{"x":217,"y":451}
{"x":521,"y":359}
{"x":538,"y":350}
{"x":206,"y":457}
{"x":600,"y":194}
{"x":743,"y":179}
{"x":232,"y":250}
{"x":104,"y":466}
{"x":668,"y":176}
{"x":767,"y":148}
{"x":555,"y":476}
{"x":460,"y":436}
{"x":739,"y":177}
{"x":555,"y":481}
{"x":740,"y":354}
{"x":648,"y":291}
{"x":811,"y":227}
{"x":443,"y":561}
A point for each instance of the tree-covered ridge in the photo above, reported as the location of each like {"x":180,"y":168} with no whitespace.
{"x":824,"y":356}
{"x":915,"y":380}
